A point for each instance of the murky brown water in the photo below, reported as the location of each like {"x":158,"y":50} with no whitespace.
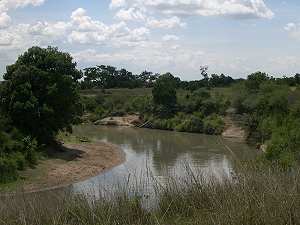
{"x":163,"y":153}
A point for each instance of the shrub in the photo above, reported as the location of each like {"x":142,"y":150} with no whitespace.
{"x":284,"y":145}
{"x":20,"y":160}
{"x":213,"y":124}
{"x":30,"y":150}
{"x":190,"y":124}
{"x":164,"y":91}
{"x":8,"y":169}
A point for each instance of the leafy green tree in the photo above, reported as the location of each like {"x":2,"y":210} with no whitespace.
{"x":40,"y":93}
{"x":255,"y":80}
{"x":164,"y":91}
{"x":164,"y":95}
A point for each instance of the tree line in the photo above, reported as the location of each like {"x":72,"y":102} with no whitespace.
{"x":107,"y":77}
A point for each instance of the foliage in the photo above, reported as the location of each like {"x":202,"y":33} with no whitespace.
{"x":255,"y":80}
{"x":40,"y":93}
{"x":164,"y":91}
{"x":284,"y":145}
{"x":16,"y":151}
{"x":213,"y":124}
{"x":110,"y":77}
{"x":272,"y":111}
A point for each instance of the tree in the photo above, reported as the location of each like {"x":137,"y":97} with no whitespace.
{"x":297,"y":78}
{"x":40,"y":93}
{"x":204,"y":73}
{"x":164,"y":91}
{"x":255,"y":80}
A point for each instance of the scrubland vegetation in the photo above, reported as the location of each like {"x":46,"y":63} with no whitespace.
{"x":41,"y":96}
{"x":269,"y":108}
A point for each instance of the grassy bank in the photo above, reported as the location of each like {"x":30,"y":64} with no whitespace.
{"x":254,"y":196}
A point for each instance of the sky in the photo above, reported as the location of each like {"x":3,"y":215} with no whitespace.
{"x":234,"y":37}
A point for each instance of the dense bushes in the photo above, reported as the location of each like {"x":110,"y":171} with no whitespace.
{"x":115,"y":105}
{"x":213,"y":125}
{"x":199,"y":112}
{"x":284,"y":144}
{"x":273,"y":116}
{"x":16,"y":152}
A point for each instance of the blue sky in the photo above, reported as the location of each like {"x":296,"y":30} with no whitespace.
{"x":235,"y":37}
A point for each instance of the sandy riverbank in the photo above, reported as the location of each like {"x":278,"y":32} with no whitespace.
{"x":76,"y":163}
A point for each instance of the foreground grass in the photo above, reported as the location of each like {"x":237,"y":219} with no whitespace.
{"x":257,"y":197}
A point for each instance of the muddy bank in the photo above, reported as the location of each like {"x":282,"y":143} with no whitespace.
{"x":233,"y":129}
{"x":126,"y":121}
{"x":76,"y":163}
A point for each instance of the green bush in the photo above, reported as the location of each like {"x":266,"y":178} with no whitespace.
{"x":191,"y":124}
{"x":284,"y":145}
{"x":16,"y":151}
{"x":8,"y":169}
{"x":30,"y":150}
{"x":20,"y":160}
{"x":213,"y":124}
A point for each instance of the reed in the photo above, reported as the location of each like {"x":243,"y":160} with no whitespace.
{"x":254,"y":195}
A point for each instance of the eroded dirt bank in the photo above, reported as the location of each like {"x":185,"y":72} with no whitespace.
{"x":76,"y":163}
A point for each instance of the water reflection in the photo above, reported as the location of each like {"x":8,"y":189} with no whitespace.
{"x":163,"y":153}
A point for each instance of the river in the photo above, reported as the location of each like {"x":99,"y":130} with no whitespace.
{"x":161,"y":154}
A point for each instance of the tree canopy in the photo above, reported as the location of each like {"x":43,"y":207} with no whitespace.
{"x":164,"y":91}
{"x":40,"y":93}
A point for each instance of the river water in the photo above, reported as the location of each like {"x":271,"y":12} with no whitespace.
{"x":161,"y":154}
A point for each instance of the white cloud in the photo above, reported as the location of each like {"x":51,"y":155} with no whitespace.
{"x":80,"y":29}
{"x":149,"y":55}
{"x":7,"y":5}
{"x":4,"y":20}
{"x":117,"y":3}
{"x":50,"y":30}
{"x":234,"y":8}
{"x":166,"y":23}
{"x":131,"y":14}
{"x":290,"y":26}
{"x":5,"y":39}
{"x":293,"y":30}
{"x":170,"y":37}
{"x":89,"y":31}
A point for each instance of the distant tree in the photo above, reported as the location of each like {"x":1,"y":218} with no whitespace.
{"x":204,"y":73}
{"x":203,"y":70}
{"x":255,"y":80}
{"x":297,"y":78}
{"x":40,"y":93}
{"x":164,"y":91}
{"x":147,"y":79}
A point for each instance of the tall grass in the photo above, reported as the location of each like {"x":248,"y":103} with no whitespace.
{"x":252,"y":196}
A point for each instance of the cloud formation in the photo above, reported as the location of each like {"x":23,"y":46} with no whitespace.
{"x":7,"y":5}
{"x":80,"y":29}
{"x":147,"y":34}
{"x":232,"y":8}
{"x":293,"y":30}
